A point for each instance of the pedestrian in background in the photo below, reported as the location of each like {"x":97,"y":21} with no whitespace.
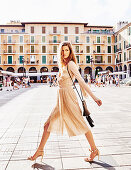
{"x":8,"y":80}
{"x":41,"y":79}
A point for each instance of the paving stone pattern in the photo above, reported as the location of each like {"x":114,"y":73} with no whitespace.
{"x":22,"y":117}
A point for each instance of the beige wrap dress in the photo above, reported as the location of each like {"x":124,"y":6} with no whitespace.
{"x":67,"y":113}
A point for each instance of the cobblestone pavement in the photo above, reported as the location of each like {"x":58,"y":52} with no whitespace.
{"x":21,"y":127}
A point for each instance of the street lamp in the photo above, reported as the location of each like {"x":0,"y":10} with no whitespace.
{"x":91,"y":61}
{"x":23,"y":60}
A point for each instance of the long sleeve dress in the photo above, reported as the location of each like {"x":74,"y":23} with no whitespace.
{"x":67,"y":112}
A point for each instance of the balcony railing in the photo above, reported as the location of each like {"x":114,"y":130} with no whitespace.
{"x":54,"y":42}
{"x":56,"y":33}
{"x":53,"y":62}
{"x":79,"y":52}
{"x":77,"y":42}
{"x":32,"y":62}
{"x":94,"y":42}
{"x":14,"y":32}
{"x":99,"y":62}
{"x":52,"y":52}
{"x":101,"y":52}
{"x":9,"y":52}
{"x":32,"y":52}
{"x":100,"y":32}
{"x":9,"y":42}
{"x":9,"y":63}
{"x":29,"y":42}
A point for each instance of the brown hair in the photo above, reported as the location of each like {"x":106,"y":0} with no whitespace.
{"x":71,"y":55}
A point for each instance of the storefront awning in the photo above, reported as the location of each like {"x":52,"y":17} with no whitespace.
{"x":104,"y":72}
{"x":27,"y":74}
{"x":118,"y":73}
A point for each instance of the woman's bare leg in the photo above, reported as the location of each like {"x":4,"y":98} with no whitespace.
{"x":94,"y":150}
{"x":43,"y":141}
{"x":44,"y":138}
{"x":90,"y":139}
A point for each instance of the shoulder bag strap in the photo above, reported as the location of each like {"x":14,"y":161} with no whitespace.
{"x":81,"y":97}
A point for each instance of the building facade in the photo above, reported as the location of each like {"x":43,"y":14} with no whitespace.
{"x":32,"y":47}
{"x":123,"y":49}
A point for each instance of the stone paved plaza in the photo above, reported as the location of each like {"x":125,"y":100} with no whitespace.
{"x":21,"y":127}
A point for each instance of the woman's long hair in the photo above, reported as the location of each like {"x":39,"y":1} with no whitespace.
{"x":71,"y":57}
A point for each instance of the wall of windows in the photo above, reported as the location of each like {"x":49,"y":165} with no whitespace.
{"x":87,"y":39}
{"x":109,"y":59}
{"x":21,"y":39}
{"x":98,"y":39}
{"x":32,"y":39}
{"x":87,"y":49}
{"x":55,"y":49}
{"x":43,"y":49}
{"x":9,"y":49}
{"x":43,"y":39}
{"x":88,"y":59}
{"x":109,"y":49}
{"x":78,"y":58}
{"x":32,"y":48}
{"x":10,"y":60}
{"x":43,"y":59}
{"x":109,"y":40}
{"x":21,"y":59}
{"x":21,"y":49}
{"x":98,"y":49}
{"x":9,"y":39}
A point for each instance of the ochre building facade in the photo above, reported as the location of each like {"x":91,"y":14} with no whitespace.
{"x":32,"y":47}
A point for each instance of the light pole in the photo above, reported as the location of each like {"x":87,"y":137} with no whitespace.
{"x":91,"y":61}
{"x":23,"y":60}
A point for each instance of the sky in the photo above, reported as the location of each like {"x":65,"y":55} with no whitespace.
{"x":93,"y":12}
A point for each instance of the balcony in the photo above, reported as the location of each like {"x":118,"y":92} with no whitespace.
{"x":13,"y":32}
{"x":9,"y":42}
{"x":55,"y":33}
{"x":128,"y":47}
{"x":9,"y":52}
{"x":76,"y":42}
{"x":100,"y":62}
{"x":119,"y":50}
{"x":53,"y":62}
{"x":52,"y":52}
{"x":32,"y":43}
{"x":12,"y":63}
{"x":33,"y":62}
{"x":79,"y":52}
{"x":81,"y":63}
{"x":98,"y":43}
{"x":54,"y":42}
{"x":32,"y":52}
{"x":101,"y":52}
{"x":100,"y":32}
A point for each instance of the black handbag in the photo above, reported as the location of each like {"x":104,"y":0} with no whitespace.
{"x":86,"y":112}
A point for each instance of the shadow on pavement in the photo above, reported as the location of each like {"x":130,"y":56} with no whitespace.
{"x":40,"y":166}
{"x":104,"y":165}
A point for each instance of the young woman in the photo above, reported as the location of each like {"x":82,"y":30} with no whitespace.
{"x":67,"y":111}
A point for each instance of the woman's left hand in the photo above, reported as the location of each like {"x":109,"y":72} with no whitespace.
{"x":98,"y":101}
